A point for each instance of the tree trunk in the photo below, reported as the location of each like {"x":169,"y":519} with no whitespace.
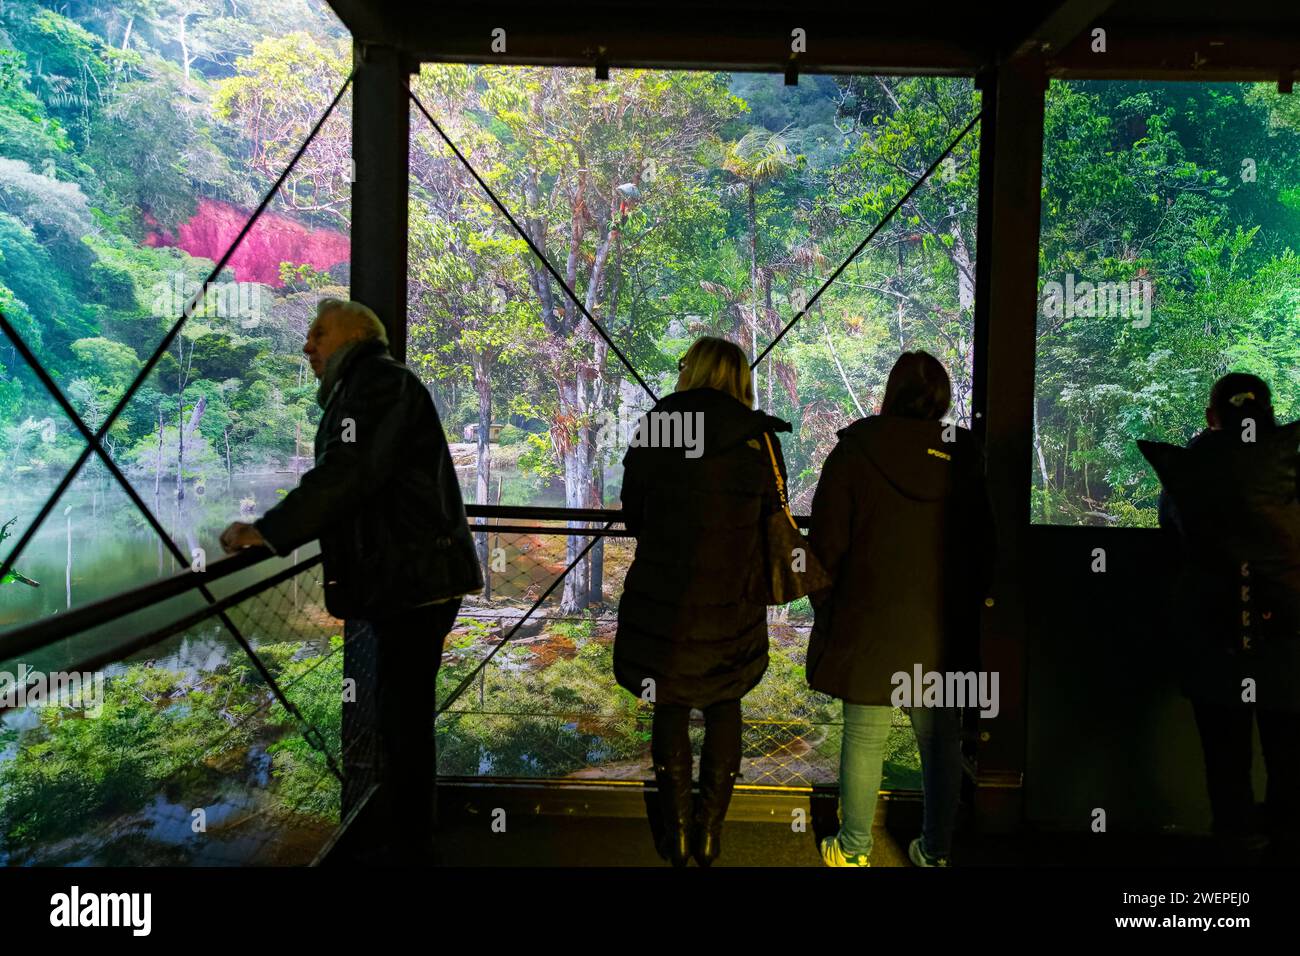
{"x":185,"y":51}
{"x":68,"y":577}
{"x":182,"y":378}
{"x":843,"y":377}
{"x":596,"y":557}
{"x":196,"y":416}
{"x":767,"y":304}
{"x":961,"y":258}
{"x":753,"y":286}
{"x":483,"y":385}
{"x":581,"y":396}
{"x":180,"y":446}
{"x":157,"y":468}
{"x":576,"y":449}
{"x":596,"y":593}
{"x":185,"y":430}
{"x":1042,"y":462}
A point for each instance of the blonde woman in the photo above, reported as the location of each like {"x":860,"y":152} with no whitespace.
{"x":697,"y":481}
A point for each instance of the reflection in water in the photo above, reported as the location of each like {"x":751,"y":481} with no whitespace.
{"x":96,"y":544}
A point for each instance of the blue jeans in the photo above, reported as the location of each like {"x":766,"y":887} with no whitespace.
{"x":938,"y":738}
{"x":862,"y":752}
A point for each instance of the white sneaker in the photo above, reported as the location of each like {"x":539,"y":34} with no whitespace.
{"x":833,"y":854}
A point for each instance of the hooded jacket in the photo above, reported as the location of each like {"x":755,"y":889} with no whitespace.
{"x":1231,"y":512}
{"x":902,"y":524}
{"x":383,"y":496}
{"x":685,"y":621}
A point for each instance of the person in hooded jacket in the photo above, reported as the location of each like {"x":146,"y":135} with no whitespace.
{"x":1230,"y":509}
{"x":901,"y":522}
{"x":697,"y":482}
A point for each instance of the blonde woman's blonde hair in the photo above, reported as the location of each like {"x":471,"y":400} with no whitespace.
{"x":716,"y":363}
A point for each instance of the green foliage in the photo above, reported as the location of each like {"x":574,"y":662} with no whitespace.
{"x":578,"y":630}
{"x":511,"y":435}
{"x":158,"y":728}
{"x":539,"y":459}
{"x":76,"y":768}
{"x":302,"y":278}
{"x":306,"y":785}
{"x":112,"y":362}
{"x":1146,"y":182}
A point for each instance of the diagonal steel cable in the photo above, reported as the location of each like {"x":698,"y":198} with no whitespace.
{"x":533,"y":246}
{"x":94,"y":446}
{"x":94,"y":440}
{"x":871,"y":235}
{"x":469,"y":678}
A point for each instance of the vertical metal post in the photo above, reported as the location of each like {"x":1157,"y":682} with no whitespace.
{"x":1007,"y":266}
{"x":380,"y":143}
{"x":987,"y":83}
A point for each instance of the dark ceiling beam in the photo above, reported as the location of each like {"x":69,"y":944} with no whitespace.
{"x":1142,"y":50}
{"x":1146,"y":39}
{"x":686,"y":36}
{"x":662,"y":50}
{"x":1064,"y":24}
{"x":369,"y":22}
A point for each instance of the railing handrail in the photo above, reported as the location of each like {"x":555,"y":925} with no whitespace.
{"x":47,"y":631}
{"x":552,"y":513}
{"x":120,"y":652}
{"x":544,"y":512}
{"x":38,"y":634}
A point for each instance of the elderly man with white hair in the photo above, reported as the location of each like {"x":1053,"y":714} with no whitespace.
{"x":398,"y":555}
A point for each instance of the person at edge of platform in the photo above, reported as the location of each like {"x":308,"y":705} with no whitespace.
{"x":1230,"y":513}
{"x":690,"y":635}
{"x":902,"y":524}
{"x":397,"y":555}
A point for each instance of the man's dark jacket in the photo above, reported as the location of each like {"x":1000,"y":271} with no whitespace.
{"x":383,"y":497}
{"x":686,"y":619}
{"x":902,"y":524}
{"x":1231,"y":513}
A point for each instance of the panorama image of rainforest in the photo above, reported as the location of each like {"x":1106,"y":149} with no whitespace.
{"x":137,"y":138}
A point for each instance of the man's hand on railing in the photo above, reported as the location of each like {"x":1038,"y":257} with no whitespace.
{"x":240,"y":535}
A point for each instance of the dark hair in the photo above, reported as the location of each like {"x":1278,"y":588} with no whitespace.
{"x":918,"y":387}
{"x":1238,"y":396}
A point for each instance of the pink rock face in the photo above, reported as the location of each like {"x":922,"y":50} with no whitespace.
{"x":272,"y":240}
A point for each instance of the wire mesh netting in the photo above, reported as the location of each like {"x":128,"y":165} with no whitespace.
{"x":183,"y":754}
{"x":545,"y":703}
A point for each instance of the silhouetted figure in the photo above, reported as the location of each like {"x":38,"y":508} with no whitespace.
{"x":397,"y":559}
{"x":901,"y":522}
{"x":689,"y":636}
{"x":1231,"y":508}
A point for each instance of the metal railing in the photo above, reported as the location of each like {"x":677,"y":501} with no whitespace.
{"x":526,"y":688}
{"x":196,"y":747}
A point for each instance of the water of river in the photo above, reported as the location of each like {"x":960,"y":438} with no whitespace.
{"x":95,"y":544}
